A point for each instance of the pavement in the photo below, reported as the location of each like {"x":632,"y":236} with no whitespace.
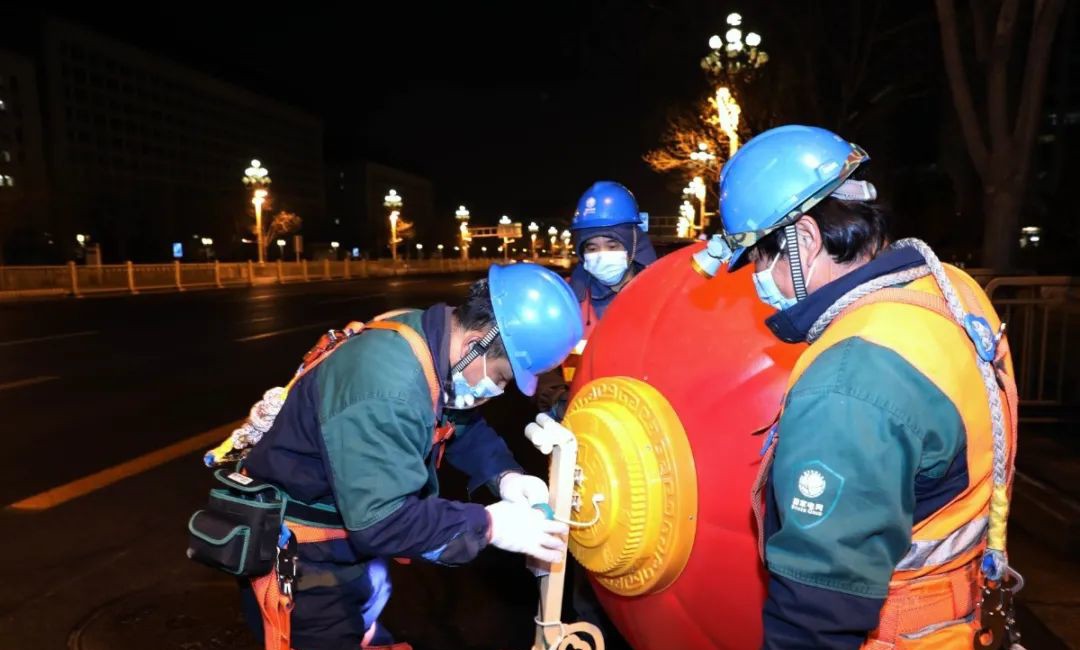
{"x":108,"y":403}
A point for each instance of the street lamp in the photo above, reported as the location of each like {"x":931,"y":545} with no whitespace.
{"x":462,"y":216}
{"x":281,"y":248}
{"x":533,"y":229}
{"x":733,"y":59}
{"x":505,"y":221}
{"x":553,"y":234}
{"x":207,"y":243}
{"x":393,"y":202}
{"x":257,"y":178}
{"x":566,"y":243}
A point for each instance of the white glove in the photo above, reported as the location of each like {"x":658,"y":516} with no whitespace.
{"x":516,"y":487}
{"x":519,"y":528}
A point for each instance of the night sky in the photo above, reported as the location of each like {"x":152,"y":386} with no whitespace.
{"x":507,"y":107}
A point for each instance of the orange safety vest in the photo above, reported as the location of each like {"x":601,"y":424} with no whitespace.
{"x":276,"y":606}
{"x":589,"y":319}
{"x":933,"y":595}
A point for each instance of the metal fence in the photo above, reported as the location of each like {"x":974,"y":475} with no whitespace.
{"x":74,"y":280}
{"x":1041,"y":315}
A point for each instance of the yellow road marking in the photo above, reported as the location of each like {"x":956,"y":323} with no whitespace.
{"x":87,"y":484}
{"x":27,"y":382}
{"x":54,"y":337}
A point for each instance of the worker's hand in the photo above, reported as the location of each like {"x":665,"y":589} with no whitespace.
{"x":519,"y":528}
{"x":516,"y":487}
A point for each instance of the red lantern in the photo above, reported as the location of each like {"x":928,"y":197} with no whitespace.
{"x":719,"y":372}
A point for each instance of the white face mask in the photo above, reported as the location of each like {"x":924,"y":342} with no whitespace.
{"x":466,"y":395}
{"x":608,"y":267}
{"x":768,"y":291}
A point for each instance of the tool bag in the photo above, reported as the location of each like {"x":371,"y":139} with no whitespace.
{"x":239,"y":530}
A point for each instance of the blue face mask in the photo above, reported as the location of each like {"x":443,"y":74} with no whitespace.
{"x":467,"y":395}
{"x":767,"y":290}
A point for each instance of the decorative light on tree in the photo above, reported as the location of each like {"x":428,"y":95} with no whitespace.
{"x":697,"y":190}
{"x":727,"y":111}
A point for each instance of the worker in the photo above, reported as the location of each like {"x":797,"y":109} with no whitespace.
{"x":612,"y":248}
{"x":352,"y":448}
{"x":885,"y":481}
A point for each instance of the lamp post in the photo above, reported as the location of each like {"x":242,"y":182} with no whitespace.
{"x":393,"y":202}
{"x":462,"y":215}
{"x":566,"y":244}
{"x":733,"y":60}
{"x":334,"y":246}
{"x":505,"y":221}
{"x":533,"y":229}
{"x":207,"y":243}
{"x":257,"y":178}
{"x":281,"y":249}
{"x":553,"y":234}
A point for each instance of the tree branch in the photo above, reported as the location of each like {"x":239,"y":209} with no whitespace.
{"x":978,"y":28}
{"x":997,"y":77}
{"x":1035,"y":70}
{"x":961,"y":92}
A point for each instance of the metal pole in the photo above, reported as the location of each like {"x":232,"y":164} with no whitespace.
{"x":280,"y":272}
{"x":326,"y":268}
{"x":393,"y":241}
{"x":176,"y":273}
{"x":251,"y":273}
{"x":303,"y":265}
{"x":74,"y":279}
{"x":259,"y":229}
{"x":131,"y":277}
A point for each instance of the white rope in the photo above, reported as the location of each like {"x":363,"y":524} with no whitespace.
{"x":260,"y":418}
{"x":995,"y":563}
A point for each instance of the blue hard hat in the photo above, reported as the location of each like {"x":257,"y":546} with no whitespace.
{"x":538,"y":316}
{"x":605,"y":203}
{"x":776,"y":177}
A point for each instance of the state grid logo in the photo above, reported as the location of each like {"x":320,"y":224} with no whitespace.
{"x":811,"y":484}
{"x":817,"y":490}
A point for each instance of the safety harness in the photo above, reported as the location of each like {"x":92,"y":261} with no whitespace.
{"x":305,"y":524}
{"x":922,"y":603}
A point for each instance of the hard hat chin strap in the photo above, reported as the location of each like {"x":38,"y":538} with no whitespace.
{"x":798,"y":282}
{"x":475,"y":352}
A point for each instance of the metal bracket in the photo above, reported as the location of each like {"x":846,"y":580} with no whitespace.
{"x":552,"y":438}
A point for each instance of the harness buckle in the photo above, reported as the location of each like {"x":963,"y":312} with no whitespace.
{"x":285,"y":565}
{"x":997,"y":618}
{"x":983,"y":336}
